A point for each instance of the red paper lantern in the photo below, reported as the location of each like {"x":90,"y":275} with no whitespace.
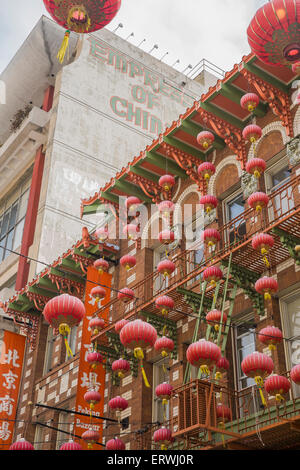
{"x":63,"y":312}
{"x":256,"y":166}
{"x":211,"y":236}
{"x":206,"y":170}
{"x":90,"y":436}
{"x":92,"y":397}
{"x":94,"y":359}
{"x":209,"y":202}
{"x":273,"y":33}
{"x":277,"y":385}
{"x":213,"y":274}
{"x":221,"y":366}
{"x":138,"y":335}
{"x":132,"y":202}
{"x":249,"y":101}
{"x":252,"y":133}
{"x":214,"y":317}
{"x":163,"y":436}
{"x":118,"y":403}
{"x":164,"y":345}
{"x":271,"y":336}
{"x":258,"y":366}
{"x":166,"y":237}
{"x":164,"y":304}
{"x":102,"y":234}
{"x":120,"y":367}
{"x":203,"y":354}
{"x":258,"y":200}
{"x":101,"y":265}
{"x":167,"y":182}
{"x":98,"y":293}
{"x":96,"y":324}
{"x":71,"y":445}
{"x":85,"y":16}
{"x":164,"y":391}
{"x":166,"y":208}
{"x":166,"y":267}
{"x":295,"y":374}
{"x":128,"y":261}
{"x":131,"y":231}
{"x":266,"y":286}
{"x":126,"y":294}
{"x":223,"y":413}
{"x":115,"y":444}
{"x":119,"y":325}
{"x":263,"y":242}
{"x":205,"y":139}
{"x":21,"y":444}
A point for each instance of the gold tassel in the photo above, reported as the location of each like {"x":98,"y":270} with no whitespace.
{"x":138,"y":353}
{"x":64,"y":330}
{"x":260,"y":383}
{"x":64,"y":47}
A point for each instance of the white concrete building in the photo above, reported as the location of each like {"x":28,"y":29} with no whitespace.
{"x":110,"y":99}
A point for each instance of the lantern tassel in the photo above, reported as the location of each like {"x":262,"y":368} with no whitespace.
{"x":138,"y":353}
{"x":260,"y":383}
{"x":64,"y":47}
{"x":204,"y":370}
{"x":64,"y":330}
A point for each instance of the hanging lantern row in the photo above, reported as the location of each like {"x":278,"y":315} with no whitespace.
{"x":263,"y":242}
{"x":166,"y":267}
{"x":101,"y":265}
{"x":91,"y":436}
{"x":164,"y":392}
{"x":165,"y":304}
{"x":205,"y":139}
{"x":120,"y":367}
{"x":81,"y":17}
{"x":256,"y":167}
{"x":92,"y":397}
{"x":249,"y":101}
{"x":258,"y":366}
{"x":203,"y":354}
{"x":252,"y":133}
{"x":96,"y":324}
{"x":278,"y":386}
{"x":212,"y":275}
{"x":167,"y":182}
{"x":266,"y":286}
{"x":258,"y":201}
{"x":98,"y":293}
{"x":118,"y":404}
{"x":94,"y":359}
{"x":138,"y":335}
{"x":128,"y":262}
{"x":210,"y":236}
{"x":273,"y":33}
{"x":209,"y":202}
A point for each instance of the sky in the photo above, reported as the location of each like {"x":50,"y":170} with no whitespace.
{"x":189,"y":30}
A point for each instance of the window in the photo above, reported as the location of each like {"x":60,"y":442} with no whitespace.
{"x":276,"y":177}
{"x":65,"y":424}
{"x":290,"y":313}
{"x":38,"y":437}
{"x":160,"y":375}
{"x":234,"y":207}
{"x":49,"y":351}
{"x":244,"y":345}
{"x":12,"y":219}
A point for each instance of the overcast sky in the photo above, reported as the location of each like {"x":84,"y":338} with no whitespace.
{"x":189,"y":30}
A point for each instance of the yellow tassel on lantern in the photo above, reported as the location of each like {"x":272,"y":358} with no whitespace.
{"x":204,"y":370}
{"x":138,"y":353}
{"x":64,"y":330}
{"x":163,"y":447}
{"x":267,"y":296}
{"x":260,"y":383}
{"x":279,"y":397}
{"x":64,"y":47}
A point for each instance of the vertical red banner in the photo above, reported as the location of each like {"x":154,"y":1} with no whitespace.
{"x":11,"y":365}
{"x":86,"y":376}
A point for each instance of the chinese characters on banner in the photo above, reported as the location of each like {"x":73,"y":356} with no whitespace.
{"x":88,"y":377}
{"x":11,"y":363}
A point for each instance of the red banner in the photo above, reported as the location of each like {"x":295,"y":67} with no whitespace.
{"x":87,"y":377}
{"x":11,"y":365}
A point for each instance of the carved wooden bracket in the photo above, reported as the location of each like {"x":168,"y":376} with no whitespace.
{"x":278,"y":100}
{"x":231,"y":135}
{"x":29,"y":323}
{"x":150,"y":188}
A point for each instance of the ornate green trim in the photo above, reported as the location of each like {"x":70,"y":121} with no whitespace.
{"x":290,"y":242}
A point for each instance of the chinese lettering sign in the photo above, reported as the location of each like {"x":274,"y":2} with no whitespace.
{"x":11,"y":363}
{"x":146,"y":95}
{"x":90,"y":378}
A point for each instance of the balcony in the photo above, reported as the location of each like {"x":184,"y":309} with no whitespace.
{"x":18,"y":150}
{"x":252,"y":426}
{"x":281,"y":218}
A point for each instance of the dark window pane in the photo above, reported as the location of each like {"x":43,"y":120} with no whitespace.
{"x":280,"y":176}
{"x":13,"y":216}
{"x":4,"y":224}
{"x":236,"y":207}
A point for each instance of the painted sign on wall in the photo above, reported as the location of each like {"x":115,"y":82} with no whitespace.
{"x":87,"y":377}
{"x":11,"y":364}
{"x":144,"y":103}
